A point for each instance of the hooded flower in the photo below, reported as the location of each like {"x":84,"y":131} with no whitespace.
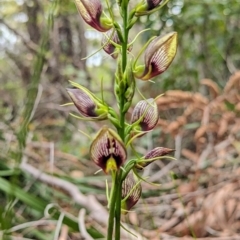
{"x":131,"y":192}
{"x":86,"y":104}
{"x":145,"y":115}
{"x":107,"y":150}
{"x":158,"y":56}
{"x":92,"y":14}
{"x":153,"y":154}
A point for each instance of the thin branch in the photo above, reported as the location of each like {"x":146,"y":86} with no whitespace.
{"x":28,"y":43}
{"x":81,"y":225}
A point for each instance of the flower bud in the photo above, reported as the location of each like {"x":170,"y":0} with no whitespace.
{"x":86,"y":104}
{"x":130,"y":85}
{"x":144,"y":8}
{"x":158,"y":56}
{"x":107,"y":150}
{"x":152,"y":4}
{"x":131,"y":192}
{"x":92,"y":14}
{"x":108,"y":46}
{"x":108,"y":41}
{"x":145,"y":115}
{"x":153,"y":154}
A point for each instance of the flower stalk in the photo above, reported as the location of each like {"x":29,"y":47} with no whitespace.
{"x":109,"y":148}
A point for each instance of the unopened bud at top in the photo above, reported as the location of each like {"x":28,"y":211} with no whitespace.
{"x":92,"y":13}
{"x":148,"y":5}
{"x":107,"y":150}
{"x":157,"y":57}
{"x":145,"y":115}
{"x":153,"y":3}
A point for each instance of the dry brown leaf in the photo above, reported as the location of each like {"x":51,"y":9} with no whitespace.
{"x":173,"y":127}
{"x":200,"y":132}
{"x":133,"y":218}
{"x":223,"y":126}
{"x":233,"y":82}
{"x":186,"y":188}
{"x":192,"y":224}
{"x":231,"y":206}
{"x":190,"y":155}
{"x":214,"y":89}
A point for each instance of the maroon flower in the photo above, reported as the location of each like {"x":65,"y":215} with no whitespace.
{"x":86,"y":104}
{"x":145,"y":115}
{"x":158,"y":56}
{"x":153,"y":154}
{"x":92,"y":13}
{"x":107,"y":150}
{"x":131,"y":192}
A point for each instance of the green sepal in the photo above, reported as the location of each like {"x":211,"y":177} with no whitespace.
{"x":112,"y":112}
{"x":139,"y":70}
{"x":127,"y":105}
{"x":129,"y":79}
{"x":119,"y":72}
{"x":128,"y":167}
{"x":132,"y":22}
{"x":106,"y":22}
{"x":144,"y":179}
{"x":117,"y":92}
{"x":122,"y":87}
{"x":119,"y":31}
{"x":114,"y":121}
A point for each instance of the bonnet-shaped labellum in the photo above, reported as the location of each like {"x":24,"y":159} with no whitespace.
{"x":152,"y":156}
{"x":131,"y":192}
{"x":92,"y":13}
{"x":145,"y":115}
{"x":107,"y":150}
{"x":158,"y":56}
{"x":87,"y":104}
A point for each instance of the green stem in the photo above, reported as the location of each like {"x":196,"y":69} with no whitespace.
{"x":122,"y":121}
{"x":118,"y":208}
{"x":116,"y":193}
{"x":112,"y":207}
